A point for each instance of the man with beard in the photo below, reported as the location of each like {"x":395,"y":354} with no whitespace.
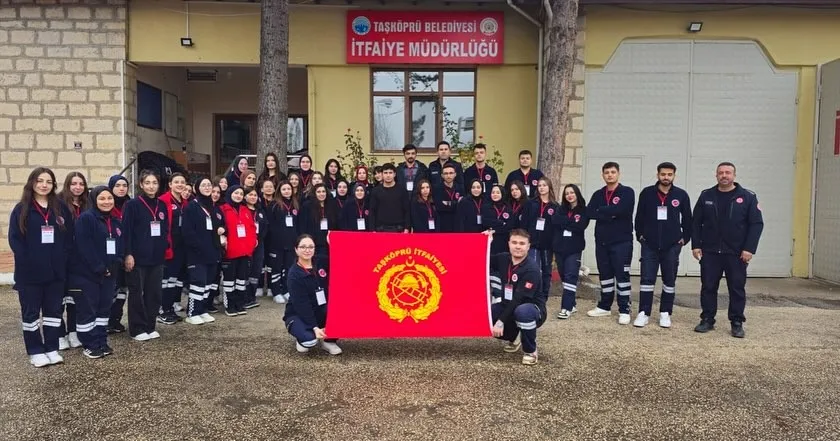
{"x":727,"y":225}
{"x":410,"y":172}
{"x":663,"y":227}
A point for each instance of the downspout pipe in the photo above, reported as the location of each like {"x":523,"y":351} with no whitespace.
{"x":540,"y":51}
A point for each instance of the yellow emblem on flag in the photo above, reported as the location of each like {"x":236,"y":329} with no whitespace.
{"x":409,"y":290}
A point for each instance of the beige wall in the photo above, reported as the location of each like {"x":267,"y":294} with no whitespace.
{"x":172,"y":80}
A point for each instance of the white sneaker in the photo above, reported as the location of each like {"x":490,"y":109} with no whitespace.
{"x":258,"y":292}
{"x":194,"y":320}
{"x":300,"y":348}
{"x":73,"y":338}
{"x":287,"y":296}
{"x":207,"y":318}
{"x":513,"y":346}
{"x":664,"y":320}
{"x":177,"y":307}
{"x":598,"y":312}
{"x":141,"y":337}
{"x":279,"y":299}
{"x":529,"y":359}
{"x":39,"y":360}
{"x":623,"y":319}
{"x":641,"y":320}
{"x":565,"y":314}
{"x":332,"y":348}
{"x":63,"y":343}
{"x":154,"y":334}
{"x":54,"y":357}
{"x":269,"y":293}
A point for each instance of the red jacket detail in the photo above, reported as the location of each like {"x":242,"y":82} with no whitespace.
{"x":239,"y":246}
{"x":169,"y":200}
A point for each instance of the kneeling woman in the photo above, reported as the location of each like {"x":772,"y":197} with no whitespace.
{"x":306,"y":312}
{"x":98,"y":255}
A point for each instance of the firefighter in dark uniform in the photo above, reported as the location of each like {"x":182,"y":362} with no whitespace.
{"x":727,"y":227}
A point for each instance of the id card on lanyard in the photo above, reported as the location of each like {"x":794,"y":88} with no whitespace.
{"x":431,"y":217}
{"x":110,"y":242}
{"x":290,"y":221}
{"x":662,"y":210}
{"x":477,"y":213}
{"x":511,"y":279}
{"x":541,"y":219}
{"x":154,"y":225}
{"x":47,"y":231}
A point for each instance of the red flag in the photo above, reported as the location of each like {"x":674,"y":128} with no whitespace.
{"x":393,"y":285}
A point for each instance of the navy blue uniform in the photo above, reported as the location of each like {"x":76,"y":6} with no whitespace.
{"x":486,"y":175}
{"x":446,"y":203}
{"x":522,"y":309}
{"x":283,"y":230}
{"x":354,"y":211}
{"x":114,"y":324}
{"x":203,"y":252}
{"x":725,"y":224}
{"x":536,"y":218}
{"x":409,"y":177}
{"x":468,"y":214}
{"x":663,"y":227}
{"x":41,"y":271}
{"x":97,"y":258}
{"x":307,"y":307}
{"x":530,"y":179}
{"x":424,"y":217}
{"x":436,"y":168}
{"x":568,"y":245}
{"x":175,"y":266}
{"x":613,"y":214}
{"x":257,"y":268}
{"x":498,"y":216}
{"x":313,"y":226}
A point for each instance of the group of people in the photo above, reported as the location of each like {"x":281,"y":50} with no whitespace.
{"x":244,"y":235}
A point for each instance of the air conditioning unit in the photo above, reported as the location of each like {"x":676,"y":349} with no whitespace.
{"x":202,"y":76}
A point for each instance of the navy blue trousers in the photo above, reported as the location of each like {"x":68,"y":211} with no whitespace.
{"x":652,"y":260}
{"x":712,"y":268}
{"x":527,"y":317}
{"x":614,"y":272}
{"x":174,"y":276}
{"x":569,"y":268}
{"x":256,"y":272}
{"x":543,"y":259}
{"x":201,"y":286}
{"x":304,"y":335}
{"x":93,"y":309}
{"x":279,"y":264}
{"x":37,"y":301}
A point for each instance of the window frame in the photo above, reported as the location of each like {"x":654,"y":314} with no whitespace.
{"x":144,"y":91}
{"x":408,"y":94}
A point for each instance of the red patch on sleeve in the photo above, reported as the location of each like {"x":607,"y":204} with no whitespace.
{"x":529,"y":285}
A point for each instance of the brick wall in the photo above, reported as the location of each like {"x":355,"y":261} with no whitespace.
{"x":60,"y":83}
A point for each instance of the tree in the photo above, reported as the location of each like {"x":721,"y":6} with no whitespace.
{"x":560,"y":22}
{"x":272,"y":130}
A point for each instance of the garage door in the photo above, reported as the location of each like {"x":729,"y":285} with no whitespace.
{"x":696,"y":104}
{"x":827,"y":208}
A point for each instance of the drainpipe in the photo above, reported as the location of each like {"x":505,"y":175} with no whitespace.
{"x":122,"y":114}
{"x":539,"y":67}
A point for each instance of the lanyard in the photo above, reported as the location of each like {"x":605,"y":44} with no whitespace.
{"x":543,"y":206}
{"x":287,"y":207}
{"x":569,"y":214}
{"x":332,"y":182}
{"x":321,"y":210}
{"x":499,"y":211}
{"x":525,"y":176}
{"x":511,"y":269}
{"x":207,"y":213}
{"x":108,"y":223}
{"x":304,"y":178}
{"x":516,"y":206}
{"x":157,"y":205}
{"x":662,"y":197}
{"x":477,"y":207}
{"x":308,"y":271}
{"x":450,"y":193}
{"x":116,"y":212}
{"x":409,"y":171}
{"x":361,"y":208}
{"x":429,"y":208}
{"x":44,"y":214}
{"x":480,"y":173}
{"x":78,"y":211}
{"x":608,"y":195}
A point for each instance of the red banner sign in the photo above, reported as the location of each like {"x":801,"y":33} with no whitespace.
{"x":837,"y":134}
{"x":425,"y":37}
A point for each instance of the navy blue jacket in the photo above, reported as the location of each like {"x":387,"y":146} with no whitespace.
{"x":663,"y":234}
{"x":531,"y":181}
{"x":526,"y":288}
{"x":90,"y":258}
{"x":312,"y":226}
{"x":303,"y":285}
{"x":348,"y":215}
{"x":202,"y":245}
{"x":435,"y":170}
{"x":37,"y":263}
{"x":534,"y":210}
{"x":281,"y":237}
{"x":260,"y":222}
{"x":488,"y":178}
{"x":138,"y":240}
{"x":420,"y":172}
{"x":446,"y":204}
{"x":499,"y":217}
{"x":575,"y":222}
{"x":613,"y":218}
{"x":420,"y":216}
{"x":466,"y":215}
{"x":738,"y":232}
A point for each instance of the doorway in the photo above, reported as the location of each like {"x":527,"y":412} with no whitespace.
{"x":236,"y":134}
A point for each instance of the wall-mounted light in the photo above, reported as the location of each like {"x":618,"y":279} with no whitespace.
{"x":695,"y":26}
{"x":186,"y":42}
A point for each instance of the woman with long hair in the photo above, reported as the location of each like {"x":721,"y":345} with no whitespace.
{"x":297,"y":189}
{"x":41,"y":238}
{"x":248,"y":179}
{"x":222,"y":183}
{"x":284,"y":228}
{"x":537,"y":219}
{"x":570,"y":223}
{"x":498,"y":216}
{"x":118,"y":185}
{"x":332,"y":175}
{"x":355,"y":215}
{"x":517,"y":199}
{"x":271,"y":171}
{"x":361,"y":177}
{"x":320,"y":215}
{"x":75,"y":195}
{"x":424,"y":218}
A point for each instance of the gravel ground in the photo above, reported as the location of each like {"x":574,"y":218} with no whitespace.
{"x":240,"y":378}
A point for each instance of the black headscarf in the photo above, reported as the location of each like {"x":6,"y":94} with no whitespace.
{"x":204,"y":201}
{"x":94,"y":194}
{"x":118,"y":201}
{"x":228,"y":198}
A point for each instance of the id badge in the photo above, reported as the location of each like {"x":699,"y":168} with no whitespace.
{"x":478,"y":219}
{"x":208,"y":223}
{"x":540,"y":224}
{"x":110,"y":247}
{"x":290,"y":221}
{"x":409,"y":186}
{"x":257,"y":226}
{"x":240,"y":231}
{"x":321,"y":297}
{"x":447,"y":203}
{"x":180,"y":220}
{"x":47,"y":234}
{"x":508,"y":292}
{"x":332,"y":192}
{"x":154,"y":227}
{"x":360,"y":224}
{"x":527,"y":190}
{"x":324,"y":225}
{"x":661,"y":213}
{"x":431,"y":224}
{"x":567,"y":233}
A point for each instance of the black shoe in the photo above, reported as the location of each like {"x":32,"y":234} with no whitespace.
{"x":115,"y":328}
{"x":212,"y":309}
{"x":241,"y":311}
{"x":93,"y":353}
{"x":252,"y":304}
{"x":230,"y":312}
{"x":167,"y":318}
{"x":704,"y":326}
{"x":737,"y":330}
{"x":107,"y":350}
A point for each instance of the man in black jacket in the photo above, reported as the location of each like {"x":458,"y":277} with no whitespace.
{"x":411,"y":171}
{"x":389,"y":206}
{"x":727,"y":227}
{"x":436,"y":167}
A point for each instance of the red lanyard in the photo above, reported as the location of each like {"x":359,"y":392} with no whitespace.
{"x":511,"y":269}
{"x":332,"y":183}
{"x":361,"y":208}
{"x":304,"y":178}
{"x":154,"y":212}
{"x":116,"y":212}
{"x":480,"y":173}
{"x":321,"y":210}
{"x":499,"y":211}
{"x":569,"y":214}
{"x":515,"y":207}
{"x":429,"y":208}
{"x":451,"y":194}
{"x":409,"y":171}
{"x":525,"y":176}
{"x":288,"y":207}
{"x":108,"y":223}
{"x":307,"y":270}
{"x":44,"y":214}
{"x":662,"y":197}
{"x":477,"y":207}
{"x":543,"y":206}
{"x":78,"y":211}
{"x":608,"y":195}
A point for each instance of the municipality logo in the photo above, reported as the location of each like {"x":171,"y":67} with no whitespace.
{"x":361,"y":25}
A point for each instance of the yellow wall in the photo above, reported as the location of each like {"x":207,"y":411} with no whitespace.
{"x":795,"y":39}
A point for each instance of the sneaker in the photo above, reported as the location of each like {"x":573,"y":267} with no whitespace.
{"x":300,"y":348}
{"x":73,"y":338}
{"x":252,"y":304}
{"x":513,"y":346}
{"x":176,"y":307}
{"x":107,"y":350}
{"x":39,"y":360}
{"x":212,"y":309}
{"x":141,"y":337}
{"x":207,"y":318}
{"x":529,"y":359}
{"x":241,"y":312}
{"x":664,"y":319}
{"x":231,"y":313}
{"x":623,"y":319}
{"x":115,"y":328}
{"x":704,"y":326}
{"x":93,"y":353}
{"x":154,"y":334}
{"x":167,"y":318}
{"x":737,"y":330}
{"x":598,"y":312}
{"x":269,"y":293}
{"x":641,"y":320}
{"x":258,"y":292}
{"x":564,"y":314}
{"x":279,"y":299}
{"x":54,"y":357}
{"x":63,"y":343}
{"x":194,"y":320}
{"x":331,"y":348}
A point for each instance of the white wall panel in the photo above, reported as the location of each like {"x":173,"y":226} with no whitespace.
{"x":826,"y":263}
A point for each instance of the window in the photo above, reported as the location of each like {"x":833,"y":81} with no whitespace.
{"x":422,"y":107}
{"x":149,"y":106}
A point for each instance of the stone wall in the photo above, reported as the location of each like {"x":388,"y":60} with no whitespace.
{"x":60,"y":80}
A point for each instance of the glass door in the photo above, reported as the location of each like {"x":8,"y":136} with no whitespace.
{"x":235,"y":135}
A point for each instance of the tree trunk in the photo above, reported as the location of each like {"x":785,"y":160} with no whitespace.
{"x":274,"y":83}
{"x":560,"y":33}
